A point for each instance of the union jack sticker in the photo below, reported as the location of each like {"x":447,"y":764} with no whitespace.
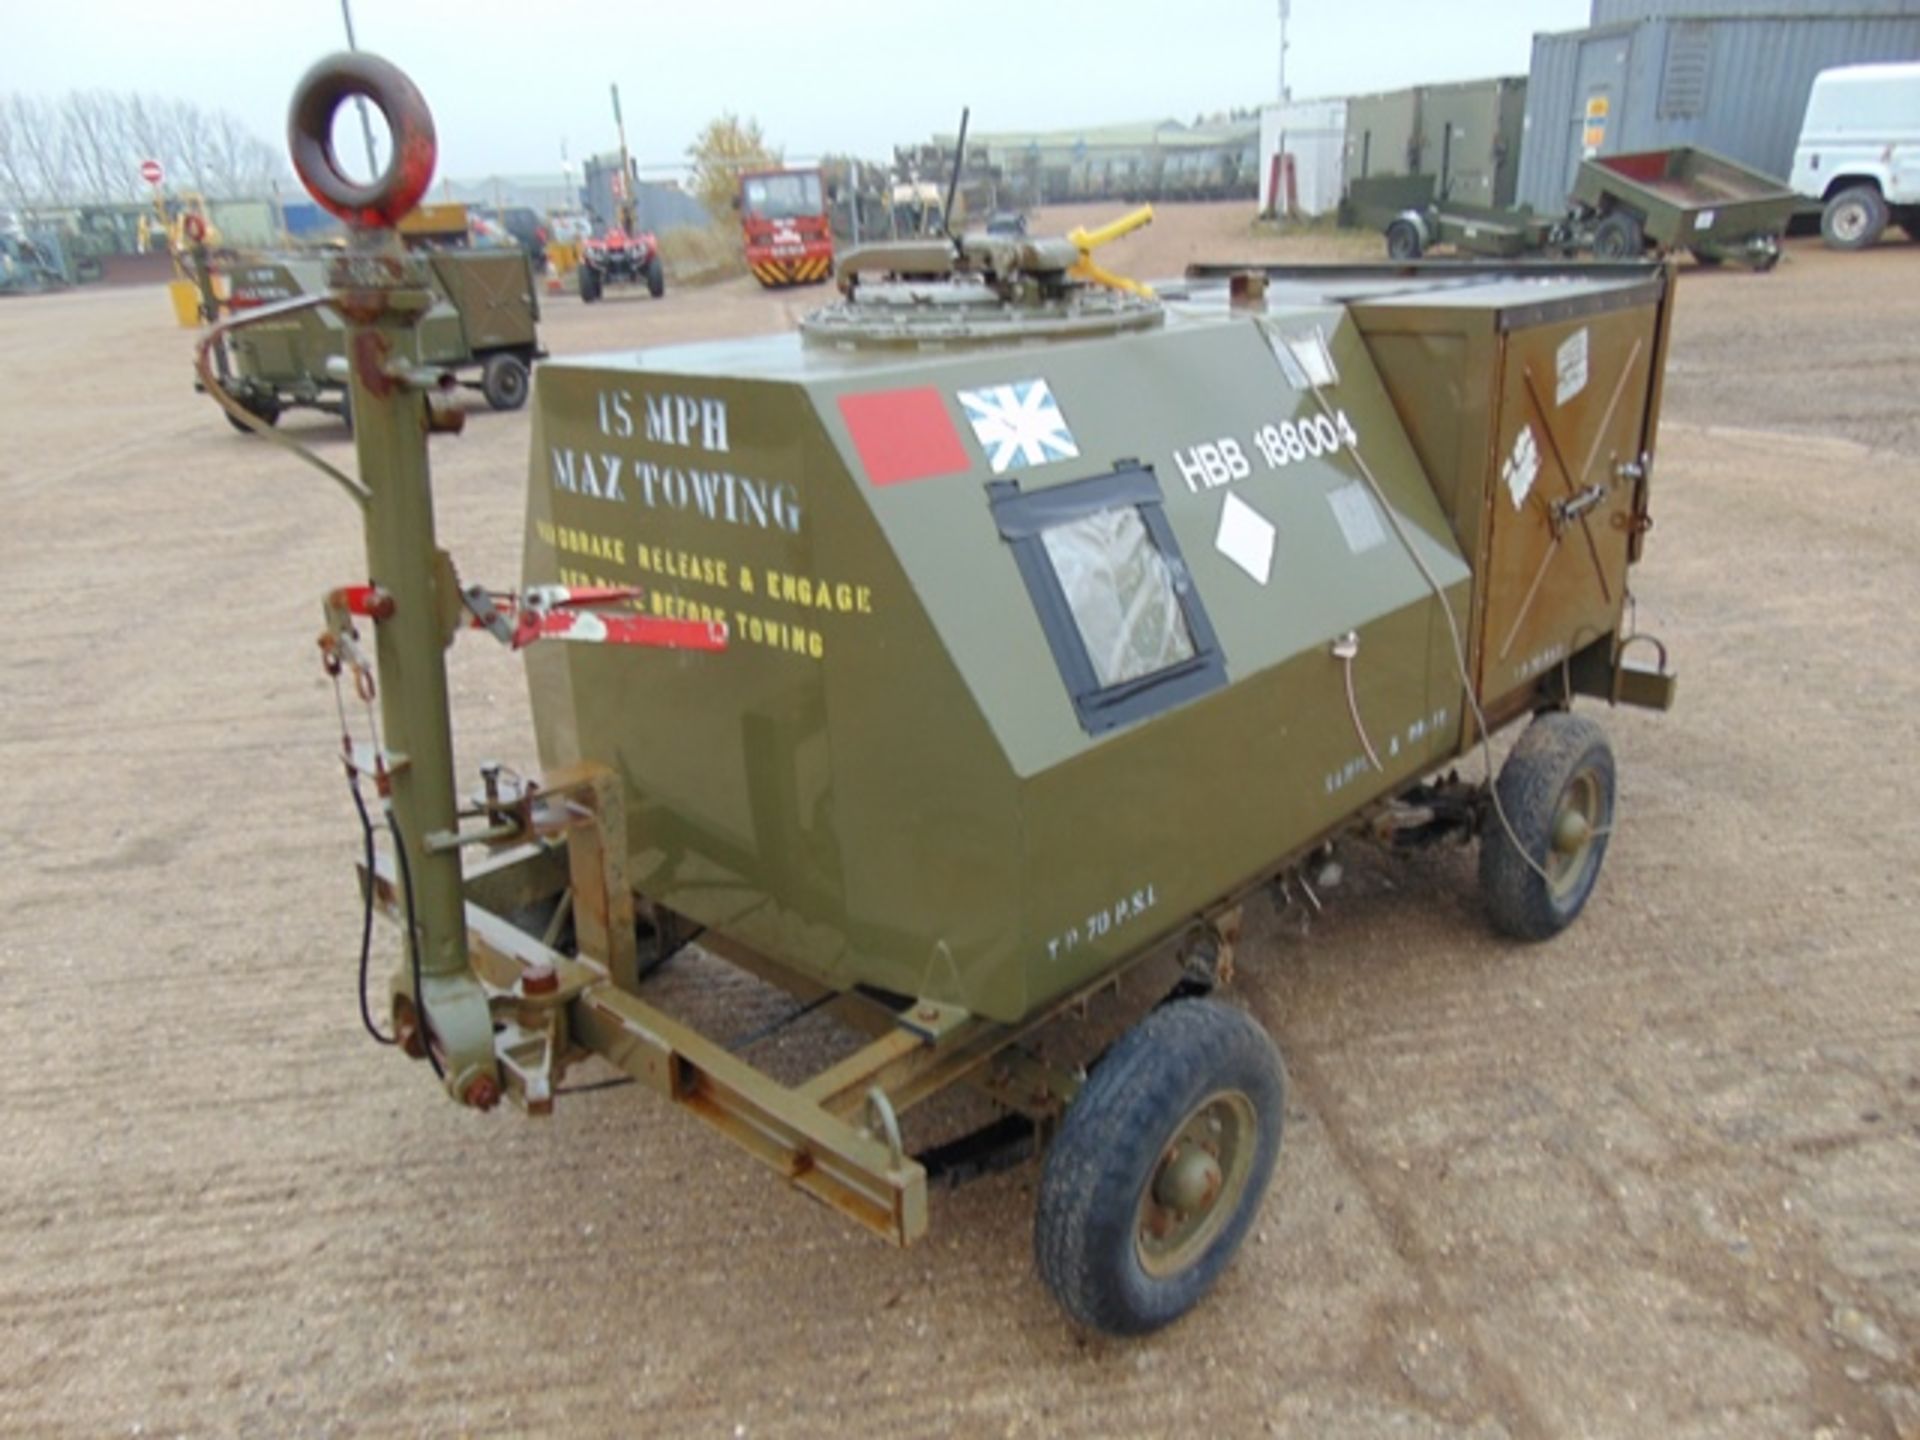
{"x":1018,"y":424}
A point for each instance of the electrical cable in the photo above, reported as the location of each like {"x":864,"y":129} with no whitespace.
{"x":1453,"y":630}
{"x":332,"y":665}
{"x":413,"y":943}
{"x":1347,"y":647}
{"x":366,"y":918}
{"x":203,"y":367}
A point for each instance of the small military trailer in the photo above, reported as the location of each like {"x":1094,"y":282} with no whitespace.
{"x":1003,"y":629}
{"x":1685,"y":198}
{"x":1475,"y":230}
{"x":1667,"y":201}
{"x":481,"y":329}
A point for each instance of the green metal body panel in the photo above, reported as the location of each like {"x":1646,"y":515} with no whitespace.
{"x":483,"y":301}
{"x":1502,"y":234}
{"x":1383,"y":135}
{"x":1470,"y":140}
{"x":884,"y":780}
{"x":1687,"y":197}
{"x":1373,"y":203}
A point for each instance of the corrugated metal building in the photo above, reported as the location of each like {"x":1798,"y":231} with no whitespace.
{"x":1303,"y":169}
{"x":1731,"y":75}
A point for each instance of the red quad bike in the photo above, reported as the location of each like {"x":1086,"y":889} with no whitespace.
{"x":618,"y":258}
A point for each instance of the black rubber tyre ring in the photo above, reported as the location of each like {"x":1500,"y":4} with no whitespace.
{"x":656,"y":278}
{"x":267,"y":415}
{"x":1619,"y":237}
{"x":1403,"y":241}
{"x":1854,"y":219}
{"x":1561,"y":765}
{"x":1171,"y":1071}
{"x":504,"y":381}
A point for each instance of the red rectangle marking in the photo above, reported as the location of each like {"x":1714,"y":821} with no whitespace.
{"x":904,"y":435}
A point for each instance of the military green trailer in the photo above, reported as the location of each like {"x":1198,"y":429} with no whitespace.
{"x":481,"y":330}
{"x":1005,"y":628}
{"x":1622,"y":206}
{"x":1682,"y":198}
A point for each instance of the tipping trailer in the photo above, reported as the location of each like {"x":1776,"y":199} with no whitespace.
{"x":1667,"y":201}
{"x":1007,"y":627}
{"x":1685,"y":198}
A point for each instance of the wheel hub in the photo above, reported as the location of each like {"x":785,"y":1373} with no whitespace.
{"x":1571,"y":831}
{"x":1189,"y":1181}
{"x":1196,"y":1187}
{"x":1576,"y":821}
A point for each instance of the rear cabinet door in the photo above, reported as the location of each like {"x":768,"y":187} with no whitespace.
{"x":1573,"y":403}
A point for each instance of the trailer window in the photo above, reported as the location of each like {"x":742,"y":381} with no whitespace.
{"x":1120,"y":593}
{"x":1114,"y":597}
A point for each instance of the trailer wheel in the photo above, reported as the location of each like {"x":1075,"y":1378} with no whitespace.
{"x":1160,"y":1167}
{"x":1619,"y":237}
{"x":1707,"y":257}
{"x":267,"y":414}
{"x":589,"y":283}
{"x":1854,"y":219}
{"x":656,"y":277}
{"x":1556,"y":790}
{"x":1403,"y":241}
{"x":504,"y":381}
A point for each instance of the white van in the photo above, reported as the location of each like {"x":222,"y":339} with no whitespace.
{"x":1859,"y":152}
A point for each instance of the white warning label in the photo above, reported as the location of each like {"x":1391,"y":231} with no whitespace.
{"x":1523,"y":465}
{"x":1572,"y":365}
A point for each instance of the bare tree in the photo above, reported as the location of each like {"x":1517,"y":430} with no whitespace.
{"x":15,"y":184}
{"x":88,"y":144}
{"x":42,"y":153}
{"x":88,"y":117}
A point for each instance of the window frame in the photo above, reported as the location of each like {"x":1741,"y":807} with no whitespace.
{"x":1023,"y":516}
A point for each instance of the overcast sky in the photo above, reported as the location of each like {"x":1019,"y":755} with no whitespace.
{"x":511,"y":80}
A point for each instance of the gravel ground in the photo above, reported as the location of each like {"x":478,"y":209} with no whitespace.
{"x":1657,"y":1178}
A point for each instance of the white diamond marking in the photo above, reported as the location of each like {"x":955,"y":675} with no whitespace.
{"x":1246,"y":538}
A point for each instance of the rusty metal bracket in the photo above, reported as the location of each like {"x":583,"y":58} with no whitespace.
{"x":817,"y":1151}
{"x":588,"y":805}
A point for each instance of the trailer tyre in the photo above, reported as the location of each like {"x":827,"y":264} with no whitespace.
{"x":656,"y":277}
{"x":1619,"y":237}
{"x":589,"y":283}
{"x":267,"y":414}
{"x":1854,"y":219}
{"x":504,"y":381}
{"x":1403,"y":241}
{"x":1556,"y":790}
{"x":1160,"y":1167}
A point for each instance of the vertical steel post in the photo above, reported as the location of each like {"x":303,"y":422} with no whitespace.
{"x":381,"y":292}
